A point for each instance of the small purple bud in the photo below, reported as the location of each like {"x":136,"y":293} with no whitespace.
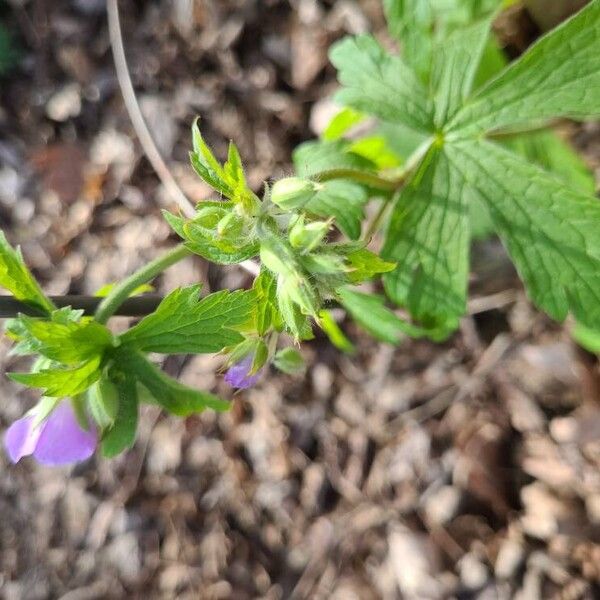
{"x":238,"y":375}
{"x":59,"y":440}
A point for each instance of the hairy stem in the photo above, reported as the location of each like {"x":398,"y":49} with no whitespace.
{"x":360,"y":177}
{"x":121,"y":292}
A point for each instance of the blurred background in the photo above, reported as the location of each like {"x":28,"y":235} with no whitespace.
{"x":468,"y":469}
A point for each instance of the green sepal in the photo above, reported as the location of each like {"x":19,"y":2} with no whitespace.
{"x":261,"y":356}
{"x":122,"y":433}
{"x":365,"y":264}
{"x":103,"y":401}
{"x":333,"y":331}
{"x":290,"y":361}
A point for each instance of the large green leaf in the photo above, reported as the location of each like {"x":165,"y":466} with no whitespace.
{"x":559,"y":76}
{"x":342,"y":200}
{"x":455,"y":65}
{"x":550,"y":231}
{"x":380,"y":84}
{"x":411,"y":23}
{"x":428,"y":236}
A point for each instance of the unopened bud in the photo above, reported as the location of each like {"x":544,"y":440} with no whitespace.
{"x":307,"y":236}
{"x":293,"y":193}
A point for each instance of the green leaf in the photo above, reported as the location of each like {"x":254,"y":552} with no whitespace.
{"x":428,"y":236}
{"x":587,"y":338}
{"x":380,"y":84}
{"x":18,"y":280}
{"x":376,"y":149}
{"x":344,"y":201}
{"x":369,"y":311}
{"x":411,"y":23}
{"x":341,"y":124}
{"x":334,"y":333}
{"x":199,"y":243}
{"x":68,"y":343}
{"x":173,"y":396}
{"x":314,"y":157}
{"x":400,"y":140}
{"x":26,"y":342}
{"x":550,"y":231}
{"x":228,"y":179}
{"x":290,"y":361}
{"x":559,"y":76}
{"x":548,"y":150}
{"x":184,"y":324}
{"x":121,"y":435}
{"x":365,"y":265}
{"x":267,"y":315}
{"x":455,"y":64}
{"x":62,"y":382}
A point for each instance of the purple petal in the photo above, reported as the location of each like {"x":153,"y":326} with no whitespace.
{"x":62,"y":441}
{"x":21,"y":438}
{"x":237,"y":376}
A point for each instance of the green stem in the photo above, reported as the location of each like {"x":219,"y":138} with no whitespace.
{"x":359,"y":176}
{"x":121,"y":292}
{"x":376,"y":222}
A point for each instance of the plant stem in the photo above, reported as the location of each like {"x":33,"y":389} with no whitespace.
{"x":360,"y":177}
{"x":121,"y":292}
{"x":376,"y":222}
{"x":137,"y":306}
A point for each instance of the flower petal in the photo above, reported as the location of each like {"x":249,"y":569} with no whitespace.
{"x":237,"y":375}
{"x":21,"y":438}
{"x":62,"y":440}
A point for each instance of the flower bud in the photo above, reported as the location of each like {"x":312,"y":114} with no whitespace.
{"x":307,"y":236}
{"x":277,"y":256}
{"x":103,"y":400}
{"x":293,"y":193}
{"x":231,"y":227}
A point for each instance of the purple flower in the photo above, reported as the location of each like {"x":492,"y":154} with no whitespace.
{"x":59,"y":440}
{"x":238,"y":375}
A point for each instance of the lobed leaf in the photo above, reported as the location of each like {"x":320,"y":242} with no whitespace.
{"x":550,"y":231}
{"x":184,"y":324}
{"x":62,"y":382}
{"x":380,"y":84}
{"x":428,"y":236}
{"x":559,"y":76}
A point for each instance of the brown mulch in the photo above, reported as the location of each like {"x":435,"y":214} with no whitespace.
{"x":468,"y":469}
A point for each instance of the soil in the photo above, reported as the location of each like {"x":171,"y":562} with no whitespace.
{"x":468,"y":469}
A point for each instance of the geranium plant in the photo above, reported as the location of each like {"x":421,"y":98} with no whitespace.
{"x":457,"y":145}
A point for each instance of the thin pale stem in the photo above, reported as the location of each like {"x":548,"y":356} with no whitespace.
{"x":122,"y":291}
{"x":139,"y":124}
